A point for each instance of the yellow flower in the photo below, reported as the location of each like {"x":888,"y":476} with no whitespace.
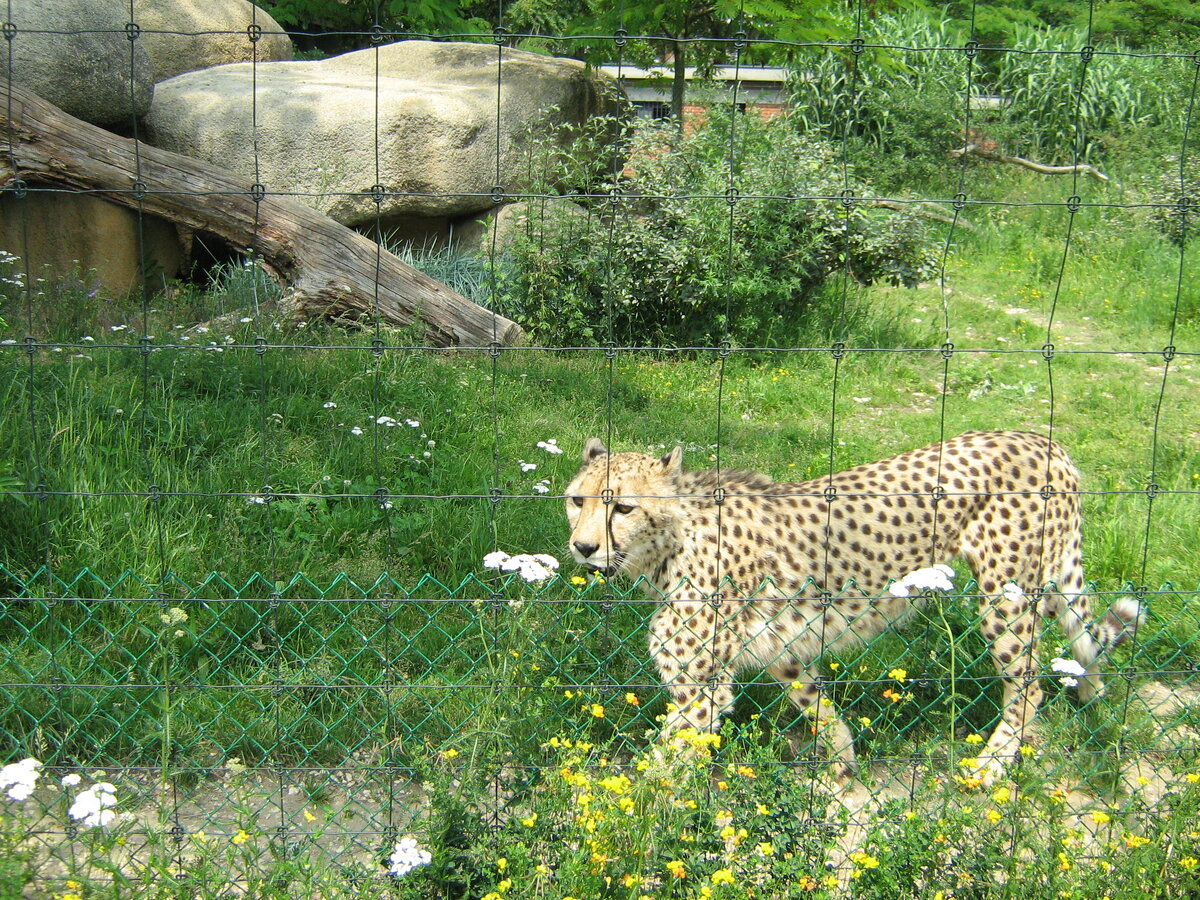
{"x":993,"y":816}
{"x":569,"y":694}
{"x":1001,"y":795}
{"x":1027,"y":750}
{"x":747,"y":772}
{"x":766,"y":849}
{"x":530,"y":821}
{"x":1192,"y":777}
{"x":728,"y":833}
{"x":676,"y":868}
{"x":974,"y":738}
{"x":501,"y":864}
{"x":632,"y":699}
{"x":241,"y":837}
{"x":866,"y":860}
{"x":762,"y":810}
{"x":723,"y":876}
{"x":1133,"y":841}
{"x":309,"y":817}
{"x":631,"y":880}
{"x":1100,"y":817}
{"x":578,"y":580}
{"x":1189,"y":863}
{"x":597,"y":711}
{"x":722,"y":785}
{"x":898,"y":674}
{"x":449,"y":753}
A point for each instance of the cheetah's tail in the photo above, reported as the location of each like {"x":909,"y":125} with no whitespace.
{"x":1124,"y":619}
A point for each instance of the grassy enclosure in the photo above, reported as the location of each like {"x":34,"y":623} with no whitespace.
{"x":242,"y":557}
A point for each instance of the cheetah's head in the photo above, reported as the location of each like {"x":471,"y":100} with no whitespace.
{"x":621,"y":507}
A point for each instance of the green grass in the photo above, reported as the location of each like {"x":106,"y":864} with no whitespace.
{"x":328,"y":628}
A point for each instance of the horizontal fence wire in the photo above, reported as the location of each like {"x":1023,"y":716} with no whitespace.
{"x":302,"y":651}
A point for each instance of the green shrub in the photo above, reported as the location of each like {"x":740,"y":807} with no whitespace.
{"x":669,"y":253}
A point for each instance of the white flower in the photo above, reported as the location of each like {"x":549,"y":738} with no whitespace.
{"x":18,"y":779}
{"x":531,"y":567}
{"x":88,"y":339}
{"x":93,"y":807}
{"x":1069,"y":669}
{"x":329,"y":404}
{"x":356,"y":430}
{"x":542,"y":487}
{"x":550,"y":446}
{"x":256,"y":500}
{"x":526,"y":466}
{"x":933,"y":578}
{"x":387,"y":420}
{"x":861,"y":399}
{"x":117,"y":327}
{"x":245,"y":320}
{"x":71,"y":780}
{"x":412,"y":423}
{"x":406,"y":856}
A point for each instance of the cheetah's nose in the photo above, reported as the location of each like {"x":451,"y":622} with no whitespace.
{"x":586,"y":550}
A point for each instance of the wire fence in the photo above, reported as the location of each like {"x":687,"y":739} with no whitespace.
{"x":227,"y":690}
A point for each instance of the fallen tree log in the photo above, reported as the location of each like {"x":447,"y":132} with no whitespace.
{"x":997,"y":156}
{"x":326,"y":268}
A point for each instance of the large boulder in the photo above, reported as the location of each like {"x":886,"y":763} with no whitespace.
{"x":78,"y":55}
{"x":68,"y":236}
{"x":435,"y":142}
{"x":186,"y":35}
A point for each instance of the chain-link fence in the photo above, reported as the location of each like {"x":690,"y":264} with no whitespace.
{"x":243,"y":558}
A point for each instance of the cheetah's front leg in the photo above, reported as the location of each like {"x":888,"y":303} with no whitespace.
{"x":695,"y":661}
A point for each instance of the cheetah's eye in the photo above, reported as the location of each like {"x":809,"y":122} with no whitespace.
{"x":623,"y":509}
{"x":578,"y":501}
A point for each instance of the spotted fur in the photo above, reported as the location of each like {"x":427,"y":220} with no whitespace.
{"x":758,"y":574}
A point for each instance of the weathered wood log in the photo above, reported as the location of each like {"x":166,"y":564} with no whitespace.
{"x":997,"y":156}
{"x":326,"y":268}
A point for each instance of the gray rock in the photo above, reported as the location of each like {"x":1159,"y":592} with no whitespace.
{"x":78,"y":55}
{"x":440,"y":152}
{"x":187,"y":35}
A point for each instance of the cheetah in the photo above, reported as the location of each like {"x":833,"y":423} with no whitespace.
{"x":757,"y":574}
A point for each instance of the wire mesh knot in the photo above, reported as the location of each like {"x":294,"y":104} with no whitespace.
{"x":1047,"y":351}
{"x":10,"y":30}
{"x":847,"y":196}
{"x":971,"y":49}
{"x":377,"y":346}
{"x":858,"y":46}
{"x":724,"y":349}
{"x":830,"y":493}
{"x":498,"y":194}
{"x":1152,"y":490}
{"x":610,"y":349}
{"x":606,"y":495}
{"x":30,"y":344}
{"x":153,"y":493}
{"x":254,"y":32}
{"x":1086,"y":52}
{"x":960,"y":199}
{"x":139,"y":190}
{"x":947,"y":349}
{"x":260,"y":344}
{"x":732,"y":194}
{"x":494,"y":494}
{"x":620,"y":37}
{"x":499,"y":35}
{"x":1047,"y":491}
{"x":258,"y":192}
{"x":1074,"y":202}
{"x":133,"y":31}
{"x":838,"y":349}
{"x":18,"y":188}
{"x":377,"y":34}
{"x":1168,"y":352}
{"x":145,"y":341}
{"x":177,"y":833}
{"x":938,"y":493}
{"x":719,"y":495}
{"x":493,"y":349}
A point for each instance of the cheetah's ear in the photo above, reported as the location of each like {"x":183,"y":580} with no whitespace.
{"x":673,"y":462}
{"x":593,"y":448}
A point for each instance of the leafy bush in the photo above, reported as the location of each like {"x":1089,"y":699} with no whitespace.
{"x":668,"y":252}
